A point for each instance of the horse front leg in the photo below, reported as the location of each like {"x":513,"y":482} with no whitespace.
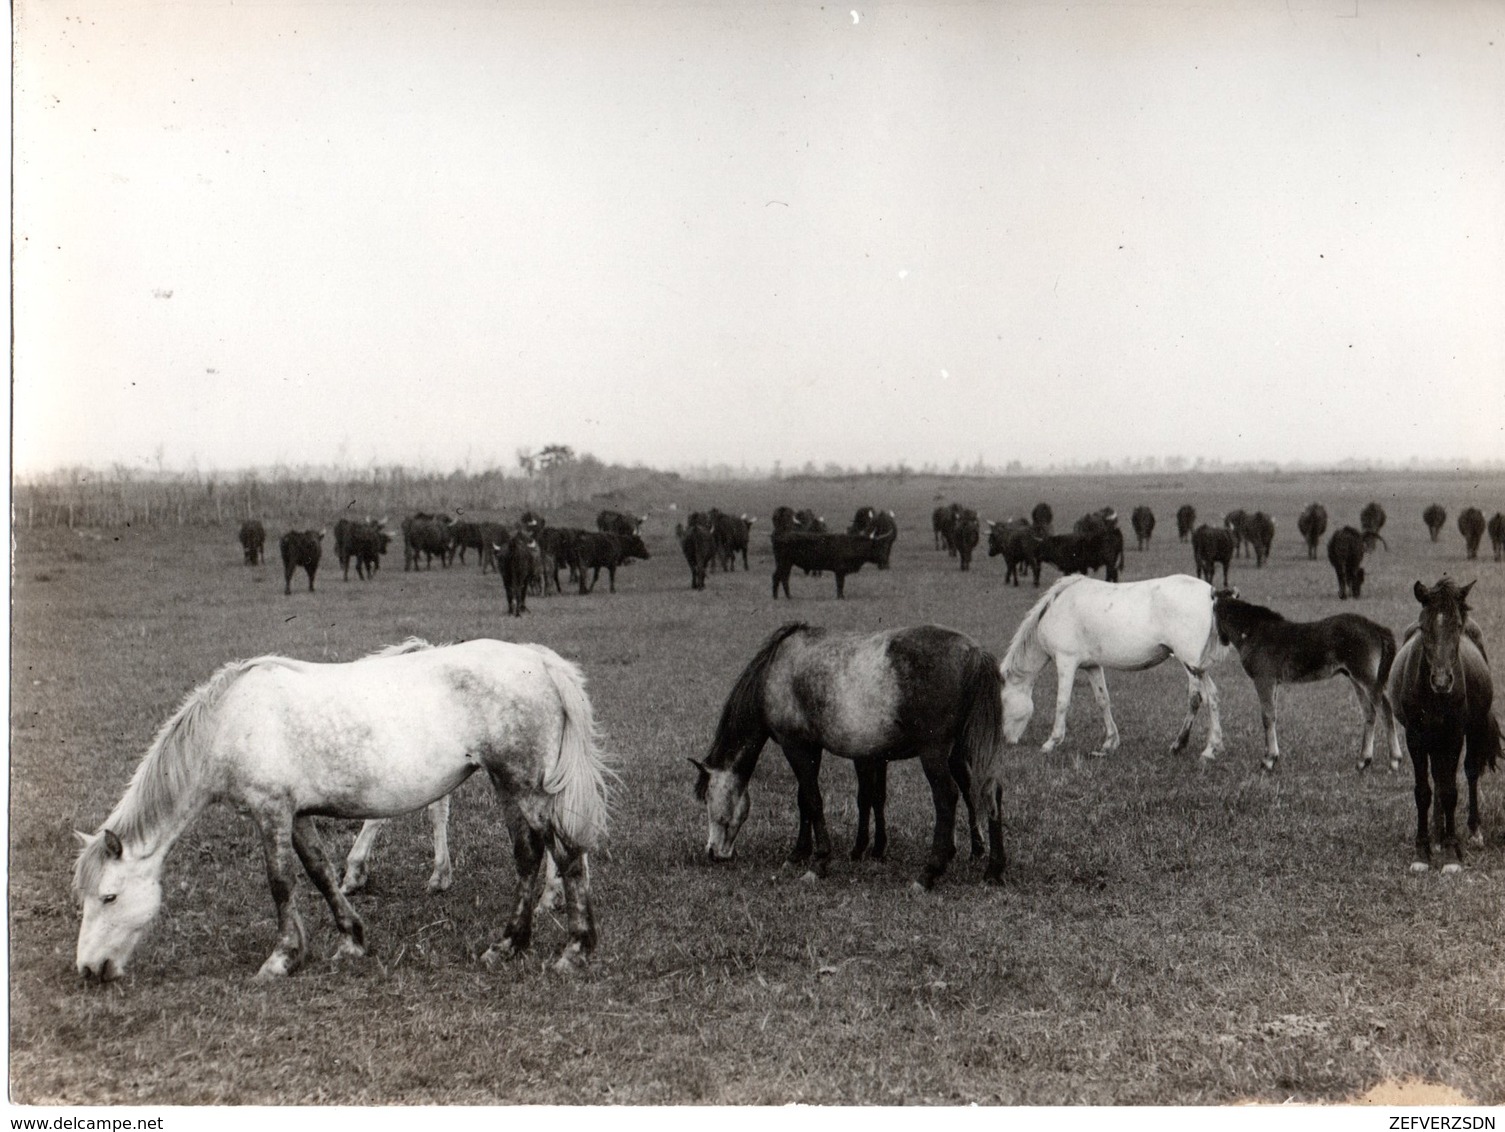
{"x":1445,"y":777}
{"x":1268,"y":690}
{"x":1065,"y":678}
{"x":1099,"y":682}
{"x":356,"y":861}
{"x":277,"y":846}
{"x":444,"y":872}
{"x":813,"y":843}
{"x":574,"y":873}
{"x":310,"y":849}
{"x":1423,"y":793}
{"x":944,"y":790}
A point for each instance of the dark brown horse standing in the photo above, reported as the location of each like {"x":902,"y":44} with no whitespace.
{"x":1442,"y":692}
{"x":926,"y":692}
{"x":1275,"y":651}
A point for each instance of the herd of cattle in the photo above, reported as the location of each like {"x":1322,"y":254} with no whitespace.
{"x":529,"y":556}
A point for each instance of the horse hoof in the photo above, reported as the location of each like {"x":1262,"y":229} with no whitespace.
{"x":570,"y":961}
{"x":349,"y":949}
{"x":1477,"y":839}
{"x":1419,"y":866}
{"x":1451,"y":867}
{"x":918,"y":888}
{"x":277,"y":966}
{"x":498,"y":953}
{"x":438,"y":884}
{"x":810,"y":876}
{"x":1268,"y":764}
{"x":353,"y":883}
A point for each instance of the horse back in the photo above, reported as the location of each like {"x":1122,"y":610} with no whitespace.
{"x":1133,"y":624}
{"x":387,"y":734}
{"x":882,"y":694}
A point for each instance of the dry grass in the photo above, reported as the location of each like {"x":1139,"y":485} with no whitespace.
{"x":1168,"y":932}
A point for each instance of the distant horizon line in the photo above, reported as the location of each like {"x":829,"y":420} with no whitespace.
{"x":705,"y":471}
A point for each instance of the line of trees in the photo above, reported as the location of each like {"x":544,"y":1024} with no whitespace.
{"x":123,"y":496}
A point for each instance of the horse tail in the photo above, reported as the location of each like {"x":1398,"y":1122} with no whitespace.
{"x":578,"y":805}
{"x":1012,"y":661}
{"x":979,"y":740}
{"x":742,"y":714}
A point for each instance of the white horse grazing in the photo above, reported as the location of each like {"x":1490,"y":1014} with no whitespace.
{"x":285,"y":740}
{"x":357,"y":861}
{"x":1083,"y":623}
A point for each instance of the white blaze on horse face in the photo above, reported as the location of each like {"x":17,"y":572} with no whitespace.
{"x":116,"y":914}
{"x":726,"y":806}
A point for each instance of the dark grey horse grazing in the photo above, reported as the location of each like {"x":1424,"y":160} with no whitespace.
{"x":926,"y":692}
{"x":1442,"y":691}
{"x":1497,"y":534}
{"x":1275,"y":651}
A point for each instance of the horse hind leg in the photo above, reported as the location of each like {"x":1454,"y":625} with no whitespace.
{"x":310,"y":849}
{"x":1099,"y":682}
{"x":528,"y":852}
{"x":1194,"y":704}
{"x":1370,"y":701}
{"x":574,"y":873}
{"x":1268,"y":690}
{"x":444,"y":872}
{"x":277,"y":846}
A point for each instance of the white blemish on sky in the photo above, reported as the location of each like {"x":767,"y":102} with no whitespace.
{"x":404,"y":232}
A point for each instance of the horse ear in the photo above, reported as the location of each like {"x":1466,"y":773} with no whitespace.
{"x":85,"y":839}
{"x":697,"y":764}
{"x":1420,"y":591}
{"x":113,"y":846}
{"x":1463,"y":592}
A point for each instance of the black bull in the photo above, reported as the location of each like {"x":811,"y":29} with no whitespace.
{"x":841,"y":554}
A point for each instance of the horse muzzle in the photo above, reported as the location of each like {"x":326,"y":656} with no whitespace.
{"x":105,"y":971}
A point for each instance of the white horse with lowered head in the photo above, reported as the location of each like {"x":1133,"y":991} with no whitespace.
{"x":285,"y":741}
{"x":1083,"y":623}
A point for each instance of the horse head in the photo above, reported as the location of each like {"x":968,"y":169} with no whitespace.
{"x":120,"y":894}
{"x":726,"y":800}
{"x":1444,"y":609}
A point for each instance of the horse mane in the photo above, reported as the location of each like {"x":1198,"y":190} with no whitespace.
{"x":1242,"y":614}
{"x":412,"y":644}
{"x":165,"y":773}
{"x":743,"y":711}
{"x":1024,"y":636}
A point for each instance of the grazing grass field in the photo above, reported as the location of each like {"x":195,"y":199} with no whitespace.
{"x":1169,"y":932}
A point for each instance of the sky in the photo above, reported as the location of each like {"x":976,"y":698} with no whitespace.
{"x":439,"y":233}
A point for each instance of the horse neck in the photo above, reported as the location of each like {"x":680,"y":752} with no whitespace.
{"x":171,"y":786}
{"x":1025,"y":658}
